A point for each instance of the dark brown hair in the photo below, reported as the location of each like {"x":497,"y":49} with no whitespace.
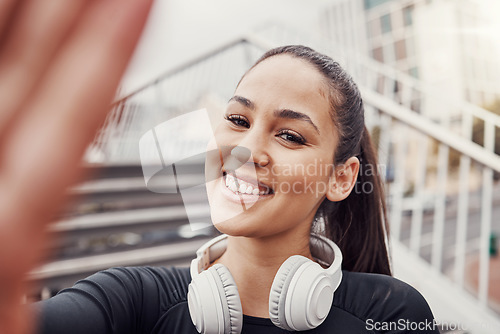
{"x":358,"y":224}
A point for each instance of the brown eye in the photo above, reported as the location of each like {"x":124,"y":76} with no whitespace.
{"x":292,"y":136}
{"x":238,"y":120}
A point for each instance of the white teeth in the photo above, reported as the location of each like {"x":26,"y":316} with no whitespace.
{"x":241,"y":187}
{"x":249,"y":190}
{"x":233,"y":187}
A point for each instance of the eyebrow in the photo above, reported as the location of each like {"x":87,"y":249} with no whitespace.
{"x":283,"y":113}
{"x":291,"y":114}
{"x":246,"y":102}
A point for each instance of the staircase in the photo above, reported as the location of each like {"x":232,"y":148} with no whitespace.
{"x":440,"y":185}
{"x":114,"y":220}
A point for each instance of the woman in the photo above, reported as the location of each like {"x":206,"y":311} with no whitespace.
{"x":311,"y":167}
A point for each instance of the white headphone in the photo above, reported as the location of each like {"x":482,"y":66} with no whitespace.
{"x":301,"y":294}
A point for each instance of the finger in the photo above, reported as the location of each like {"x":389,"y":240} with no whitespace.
{"x":62,"y":118}
{"x":7,"y":8}
{"x":54,"y":132}
{"x":36,"y":34}
{"x":14,"y":317}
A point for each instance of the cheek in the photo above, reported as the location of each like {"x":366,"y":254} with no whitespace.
{"x":224,"y":135}
{"x":307,"y":178}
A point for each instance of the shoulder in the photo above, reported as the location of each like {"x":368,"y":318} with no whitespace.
{"x":375,"y":298}
{"x":143,"y":275}
{"x":117,"y":300}
{"x":169,"y":284}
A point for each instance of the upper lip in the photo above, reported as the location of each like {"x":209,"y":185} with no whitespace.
{"x":249,"y":179}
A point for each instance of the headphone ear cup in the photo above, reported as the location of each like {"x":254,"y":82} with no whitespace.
{"x":230,"y":299}
{"x":214,"y":303}
{"x":279,"y":288}
{"x":301,"y":295}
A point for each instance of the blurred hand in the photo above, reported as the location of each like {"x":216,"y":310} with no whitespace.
{"x":60,"y":64}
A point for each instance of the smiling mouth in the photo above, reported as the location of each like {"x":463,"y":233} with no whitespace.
{"x":242,"y":187}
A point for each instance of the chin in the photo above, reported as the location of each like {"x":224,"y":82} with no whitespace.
{"x":236,"y":226}
{"x":236,"y":214}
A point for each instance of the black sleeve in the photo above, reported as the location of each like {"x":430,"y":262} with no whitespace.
{"x":386,"y":304}
{"x":409,"y":310}
{"x":118,"y":300}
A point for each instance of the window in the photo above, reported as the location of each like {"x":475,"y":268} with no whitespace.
{"x":414,"y":72}
{"x":378,"y":54}
{"x":400,"y":47}
{"x":385,"y":22}
{"x":408,"y":15}
{"x":374,"y":3}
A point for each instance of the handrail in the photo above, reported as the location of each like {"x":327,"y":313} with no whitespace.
{"x":128,"y":217}
{"x":419,"y":122}
{"x":398,"y":76}
{"x":194,"y":61}
{"x":126,"y":258}
{"x":424,"y":125}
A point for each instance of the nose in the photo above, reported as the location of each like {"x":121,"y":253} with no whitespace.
{"x":251,"y":149}
{"x":242,"y":154}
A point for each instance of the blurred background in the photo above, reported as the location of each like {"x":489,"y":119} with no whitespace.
{"x":429,"y":72}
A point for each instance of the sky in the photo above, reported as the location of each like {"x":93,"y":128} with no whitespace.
{"x":178,"y":30}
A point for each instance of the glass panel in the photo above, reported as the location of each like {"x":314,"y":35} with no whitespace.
{"x":373,"y":3}
{"x":385,"y":22}
{"x":400,"y":47}
{"x":408,"y":15}
{"x":414,"y":72}
{"x":378,"y":54}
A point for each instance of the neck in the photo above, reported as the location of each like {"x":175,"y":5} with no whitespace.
{"x":254,"y":262}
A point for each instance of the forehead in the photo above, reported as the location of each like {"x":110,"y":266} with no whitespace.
{"x":286,"y":82}
{"x":291,"y":73}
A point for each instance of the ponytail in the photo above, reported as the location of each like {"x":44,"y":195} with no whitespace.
{"x":358,"y":224}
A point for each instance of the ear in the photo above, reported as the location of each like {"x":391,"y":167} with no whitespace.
{"x":343,"y":180}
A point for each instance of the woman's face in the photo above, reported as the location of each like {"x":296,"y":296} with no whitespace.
{"x":280,"y":112}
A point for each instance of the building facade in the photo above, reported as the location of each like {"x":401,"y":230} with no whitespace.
{"x":452,"y":46}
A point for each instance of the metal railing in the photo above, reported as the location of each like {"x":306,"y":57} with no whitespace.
{"x":457,"y":115}
{"x":213,"y":75}
{"x":437,"y":205}
{"x":400,"y":108}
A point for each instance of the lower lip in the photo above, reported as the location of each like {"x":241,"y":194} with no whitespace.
{"x":240,"y":198}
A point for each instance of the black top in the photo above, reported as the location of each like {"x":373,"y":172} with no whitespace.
{"x":153,"y":300}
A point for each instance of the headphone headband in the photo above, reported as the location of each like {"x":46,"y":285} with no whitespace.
{"x":208,"y":253}
{"x":330,"y":255}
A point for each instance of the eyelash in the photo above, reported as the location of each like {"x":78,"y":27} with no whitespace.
{"x":237,"y":118}
{"x":296,"y":138}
